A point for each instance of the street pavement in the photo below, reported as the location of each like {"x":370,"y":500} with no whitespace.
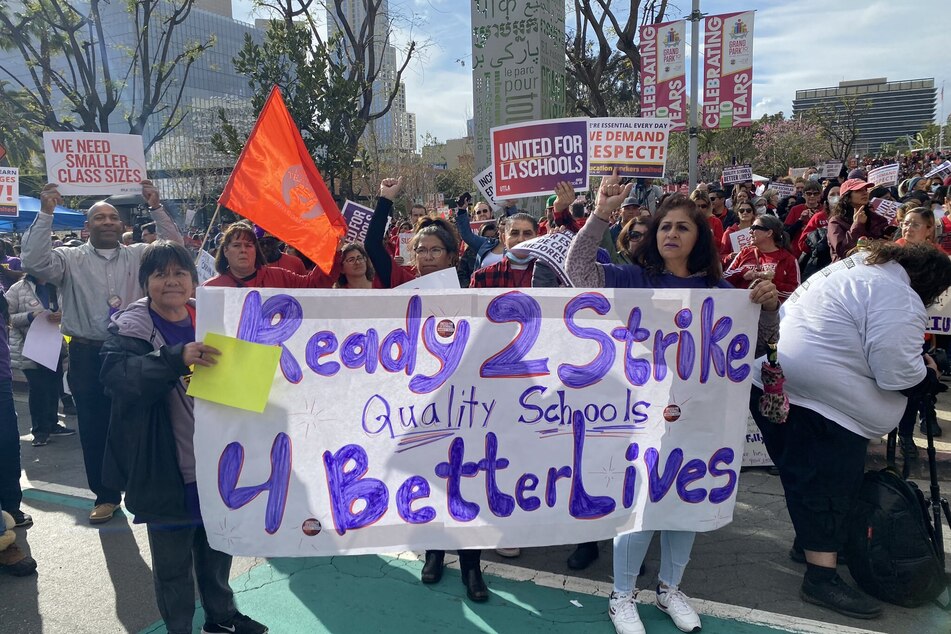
{"x":98,"y":579}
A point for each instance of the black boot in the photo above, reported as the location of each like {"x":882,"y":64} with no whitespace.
{"x":909,"y":450}
{"x":432,"y":569}
{"x":923,"y":426}
{"x":476,"y":589}
{"x":584,"y":556}
{"x":839,"y":596}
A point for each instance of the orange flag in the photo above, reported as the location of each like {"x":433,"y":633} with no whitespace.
{"x":276,"y":185}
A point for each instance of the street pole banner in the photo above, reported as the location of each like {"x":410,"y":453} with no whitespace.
{"x":9,"y":192}
{"x":358,"y":220}
{"x":664,"y":72}
{"x":737,"y":174}
{"x":886,"y":175}
{"x":444,"y":419}
{"x":784,"y":190}
{"x":727,"y":70}
{"x":829,"y":169}
{"x":94,"y":163}
{"x":636,"y":147}
{"x":485,"y":182}
{"x":529,"y":159}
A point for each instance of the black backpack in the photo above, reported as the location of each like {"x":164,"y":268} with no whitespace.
{"x":817,"y":255}
{"x":891,"y":548}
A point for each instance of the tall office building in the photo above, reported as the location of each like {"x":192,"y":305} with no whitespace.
{"x":891,"y":109}
{"x":396,"y":130}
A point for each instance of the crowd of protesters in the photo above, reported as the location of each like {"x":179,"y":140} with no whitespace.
{"x":124,"y":299}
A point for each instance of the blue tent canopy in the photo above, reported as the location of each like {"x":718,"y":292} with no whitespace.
{"x":63,"y":218}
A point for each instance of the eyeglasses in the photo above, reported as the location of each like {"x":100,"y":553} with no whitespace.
{"x":745,"y":210}
{"x":758,"y":228}
{"x":812,"y":193}
{"x":635,"y":235}
{"x":357,"y":259}
{"x":912,"y":225}
{"x":434,"y":252}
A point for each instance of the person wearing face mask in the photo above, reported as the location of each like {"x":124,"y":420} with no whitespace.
{"x":852,"y":218}
{"x":799,"y":215}
{"x":761,"y":205}
{"x":819,"y":220}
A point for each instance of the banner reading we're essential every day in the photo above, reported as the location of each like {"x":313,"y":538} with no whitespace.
{"x":467,"y":419}
{"x":637,"y":147}
{"x":727,"y":70}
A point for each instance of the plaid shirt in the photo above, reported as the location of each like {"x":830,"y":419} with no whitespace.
{"x":502,"y":275}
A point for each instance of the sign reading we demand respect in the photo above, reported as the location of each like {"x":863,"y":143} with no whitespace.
{"x":94,"y":163}
{"x":468,"y":418}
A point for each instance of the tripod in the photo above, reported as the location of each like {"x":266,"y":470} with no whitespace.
{"x":938,"y":503}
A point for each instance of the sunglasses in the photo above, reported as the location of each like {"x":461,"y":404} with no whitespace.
{"x":745,"y":210}
{"x":635,"y":235}
{"x":758,"y":228}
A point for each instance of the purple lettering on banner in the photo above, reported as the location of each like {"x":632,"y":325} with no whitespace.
{"x":630,"y":476}
{"x":581,"y":505}
{"x":276,"y":486}
{"x":453,"y":471}
{"x":694,"y":470}
{"x":383,"y":419}
{"x":661,"y":343}
{"x":361,"y":349}
{"x":739,"y":348}
{"x":510,"y":362}
{"x":540,"y":389}
{"x":711,"y":334}
{"x":501,"y":504}
{"x":578,"y":376}
{"x":686,"y":348}
{"x":637,"y":371}
{"x":415,"y":488}
{"x":554,"y":475}
{"x":527,"y":482}
{"x":318,"y":346}
{"x":347,"y":487}
{"x":724,"y":455}
{"x":272,"y":323}
{"x":406,"y":341}
{"x":448,"y":354}
{"x":659,"y":485}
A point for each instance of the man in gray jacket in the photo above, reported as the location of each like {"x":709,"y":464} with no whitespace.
{"x":96,"y":280}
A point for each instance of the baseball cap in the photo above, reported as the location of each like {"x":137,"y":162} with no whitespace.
{"x":551,"y":201}
{"x":858,"y":173}
{"x":853,"y":184}
{"x":630,"y":201}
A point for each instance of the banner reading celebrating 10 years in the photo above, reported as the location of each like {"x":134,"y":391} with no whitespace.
{"x":467,"y":419}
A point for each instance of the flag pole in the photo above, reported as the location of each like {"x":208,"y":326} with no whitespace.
{"x":692,"y":141}
{"x":211,"y":224}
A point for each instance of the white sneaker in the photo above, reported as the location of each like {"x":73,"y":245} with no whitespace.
{"x":623,"y":612}
{"x":674,"y":602}
{"x":508,"y":552}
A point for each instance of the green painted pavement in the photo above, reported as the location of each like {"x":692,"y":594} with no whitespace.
{"x":341,"y":595}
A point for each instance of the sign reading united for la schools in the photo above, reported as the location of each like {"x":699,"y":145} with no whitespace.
{"x":467,"y":419}
{"x":529,"y":159}
{"x":94,"y":163}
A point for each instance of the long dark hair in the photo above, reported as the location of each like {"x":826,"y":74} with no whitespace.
{"x":704,"y":257}
{"x":929,"y":270}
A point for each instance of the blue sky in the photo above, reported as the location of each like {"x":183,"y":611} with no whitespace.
{"x":798,"y":44}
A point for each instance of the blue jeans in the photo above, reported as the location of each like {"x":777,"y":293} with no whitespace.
{"x":630,"y":549}
{"x":10,"y":494}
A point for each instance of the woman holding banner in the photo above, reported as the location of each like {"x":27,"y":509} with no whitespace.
{"x":146,"y":362}
{"x":746,"y":214}
{"x":852,"y":218}
{"x":435,"y":248}
{"x":766,"y":258}
{"x":241,"y":264}
{"x":677,"y":252}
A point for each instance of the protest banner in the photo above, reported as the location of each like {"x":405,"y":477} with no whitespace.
{"x":797,"y":172}
{"x":404,"y":240}
{"x":885,"y":207}
{"x":551,"y":248}
{"x":939,"y":315}
{"x":784,"y":190}
{"x":9,"y":192}
{"x":485,"y":182}
{"x":358,"y":220}
{"x":727,"y":70}
{"x":829,"y":169}
{"x":276,"y":185}
{"x":737,"y":174}
{"x":741,"y":238}
{"x":94,"y":163}
{"x":886,"y":175}
{"x":206,"y":266}
{"x":754,"y":452}
{"x":411,"y":420}
{"x":636,"y":147}
{"x":663,"y":72}
{"x":444,"y":278}
{"x":529,"y":159}
{"x":940,"y":170}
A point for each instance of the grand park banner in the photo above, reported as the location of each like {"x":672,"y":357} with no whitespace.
{"x":727,"y":70}
{"x":470,"y":418}
{"x":663,"y":72}
{"x":94,"y":163}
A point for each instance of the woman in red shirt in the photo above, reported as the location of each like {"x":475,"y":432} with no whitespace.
{"x":767,"y":258}
{"x":747,"y":214}
{"x":241,"y":264}
{"x":356,"y":270}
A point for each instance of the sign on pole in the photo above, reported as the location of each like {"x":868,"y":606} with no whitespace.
{"x":737,"y":174}
{"x":9,"y":192}
{"x":829,"y":169}
{"x":886,"y":175}
{"x":727,"y":70}
{"x":94,"y":163}
{"x":636,"y":147}
{"x":663,"y":72}
{"x":485,"y":182}
{"x":529,"y":159}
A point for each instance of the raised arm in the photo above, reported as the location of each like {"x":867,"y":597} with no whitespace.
{"x":581,"y":264}
{"x":165,"y":227}
{"x":376,"y":249}
{"x":37,"y":256}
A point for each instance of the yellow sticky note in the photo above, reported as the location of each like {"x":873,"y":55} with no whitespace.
{"x":242,"y":377}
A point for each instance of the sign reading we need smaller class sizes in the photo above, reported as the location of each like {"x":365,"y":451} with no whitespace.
{"x":94,"y":163}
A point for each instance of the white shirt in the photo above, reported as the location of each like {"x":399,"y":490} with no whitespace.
{"x":490,"y":258}
{"x":849,"y":339}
